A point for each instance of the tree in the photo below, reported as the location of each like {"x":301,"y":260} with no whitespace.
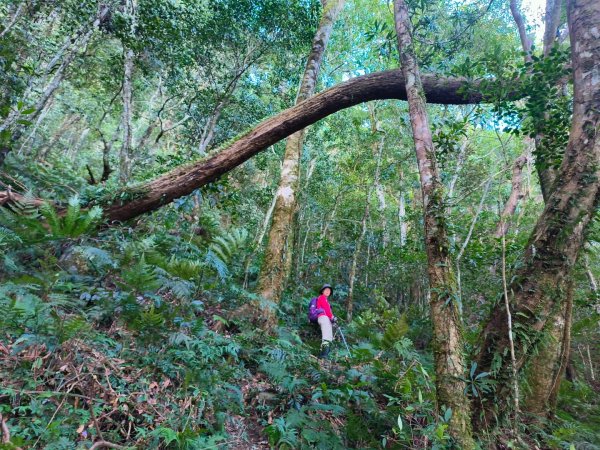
{"x":277,"y":261}
{"x":445,"y":316}
{"x":540,"y":285}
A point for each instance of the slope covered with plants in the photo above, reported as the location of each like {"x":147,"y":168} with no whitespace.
{"x":179,"y":178}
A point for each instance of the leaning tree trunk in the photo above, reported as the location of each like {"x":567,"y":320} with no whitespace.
{"x":540,"y":285}
{"x":150,"y":196}
{"x":447,"y":335}
{"x":278,"y":258}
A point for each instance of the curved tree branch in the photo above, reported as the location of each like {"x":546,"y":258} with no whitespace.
{"x":378,"y":86}
{"x":183,"y":180}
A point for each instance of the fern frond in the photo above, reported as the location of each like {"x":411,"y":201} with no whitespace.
{"x":72,"y":215}
{"x":216,"y":263}
{"x":49,"y":213}
{"x":141,"y":277}
{"x":89,"y":220}
{"x":394,"y":332}
{"x":9,"y":237}
{"x":222,"y":249}
{"x":185,"y":269}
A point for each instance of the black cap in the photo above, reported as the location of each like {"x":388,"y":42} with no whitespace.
{"x":325,"y":286}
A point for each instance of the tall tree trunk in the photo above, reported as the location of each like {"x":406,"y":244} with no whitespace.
{"x":402,"y":211}
{"x":546,"y":173}
{"x":208,"y":133}
{"x":128,"y":62}
{"x":377,"y":154}
{"x":126,"y":146}
{"x":540,"y":285}
{"x":277,"y":262}
{"x":462,"y":155}
{"x":547,"y":364}
{"x":552,"y":21}
{"x":78,"y":143}
{"x":447,"y":334}
{"x":37,"y":124}
{"x":525,"y":41}
{"x":466,"y":241}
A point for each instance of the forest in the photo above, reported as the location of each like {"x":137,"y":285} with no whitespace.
{"x":181,"y":181}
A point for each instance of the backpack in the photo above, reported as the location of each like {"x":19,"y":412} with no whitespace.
{"x":313,"y":311}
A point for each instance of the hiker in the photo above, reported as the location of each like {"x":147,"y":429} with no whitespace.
{"x":325,"y":319}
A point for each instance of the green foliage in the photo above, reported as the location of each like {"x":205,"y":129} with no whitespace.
{"x":31,"y":224}
{"x":546,"y":112}
{"x":139,"y":324}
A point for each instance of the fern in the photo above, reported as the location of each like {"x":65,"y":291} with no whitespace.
{"x":225,"y":246}
{"x":394,"y":332}
{"x":9,"y":237}
{"x":216,"y":263}
{"x":133,"y":251}
{"x":69,"y":328}
{"x":73,"y":222}
{"x":140,"y":277}
{"x":149,"y":324}
{"x":185,"y":269}
{"x":23,"y":219}
{"x":222,"y":250}
{"x":182,"y":289}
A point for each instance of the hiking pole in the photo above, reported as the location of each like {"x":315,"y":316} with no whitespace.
{"x":338,"y":328}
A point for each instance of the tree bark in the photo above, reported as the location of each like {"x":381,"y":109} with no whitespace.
{"x":539,"y":286}
{"x":184,"y":180}
{"x":447,"y":335}
{"x":516,"y":194}
{"x":278,"y":256}
{"x":126,"y":146}
{"x":549,"y":364}
{"x":525,"y":41}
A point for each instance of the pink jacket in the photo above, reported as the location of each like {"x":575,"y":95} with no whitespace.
{"x":323,"y":303}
